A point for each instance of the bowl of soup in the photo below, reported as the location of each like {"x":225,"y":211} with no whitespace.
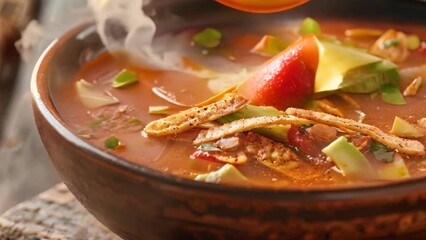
{"x":305,"y":124}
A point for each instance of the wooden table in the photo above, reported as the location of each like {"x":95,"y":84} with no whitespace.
{"x":52,"y":215}
{"x":56,"y":215}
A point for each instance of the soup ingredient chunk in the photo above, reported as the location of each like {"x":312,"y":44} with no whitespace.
{"x":254,"y":147}
{"x":192,"y":117}
{"x":402,"y":145}
{"x":349,"y":159}
{"x":402,"y":128}
{"x":226,"y":174}
{"x":124,"y":78}
{"x":269,"y":46}
{"x":91,"y":97}
{"x":112,"y":142}
{"x":394,"y":170}
{"x":246,"y":124}
{"x":208,"y":38}
{"x":413,"y":87}
{"x":392,"y":45}
{"x":285,"y":80}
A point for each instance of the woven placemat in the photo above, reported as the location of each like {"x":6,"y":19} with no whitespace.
{"x":52,"y":215}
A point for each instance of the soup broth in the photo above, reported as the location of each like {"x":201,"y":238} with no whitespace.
{"x":174,"y":153}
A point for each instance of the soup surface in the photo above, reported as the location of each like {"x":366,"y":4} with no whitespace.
{"x":303,"y":155}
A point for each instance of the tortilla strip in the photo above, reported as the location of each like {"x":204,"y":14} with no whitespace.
{"x":192,"y":117}
{"x":326,"y":106}
{"x":246,"y":124}
{"x":402,"y":145}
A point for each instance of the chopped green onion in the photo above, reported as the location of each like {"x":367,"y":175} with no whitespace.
{"x":310,"y":26}
{"x":92,"y":97}
{"x":208,"y":38}
{"x":307,"y":126}
{"x":135,"y":122}
{"x":413,"y":42}
{"x":209,"y":148}
{"x":125,"y":78}
{"x":381,"y":152}
{"x":98,"y":122}
{"x":269,"y":46}
{"x":392,"y":94}
{"x":112,"y":143}
{"x":158,"y":109}
{"x":390,"y":43}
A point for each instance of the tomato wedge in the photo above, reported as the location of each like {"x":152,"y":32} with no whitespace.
{"x":262,"y":6}
{"x":287,"y":79}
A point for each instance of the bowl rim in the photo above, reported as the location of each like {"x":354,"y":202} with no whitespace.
{"x":42,"y":100}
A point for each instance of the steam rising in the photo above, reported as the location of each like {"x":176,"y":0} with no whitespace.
{"x":124,"y":27}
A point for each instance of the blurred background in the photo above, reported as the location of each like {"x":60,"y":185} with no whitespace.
{"x":26,"y":28}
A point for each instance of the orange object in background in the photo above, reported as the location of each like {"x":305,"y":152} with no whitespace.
{"x":262,"y":6}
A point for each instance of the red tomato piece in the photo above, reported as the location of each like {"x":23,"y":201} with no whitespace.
{"x":299,"y":138}
{"x":204,"y":155}
{"x":287,"y":79}
{"x":422,"y":48}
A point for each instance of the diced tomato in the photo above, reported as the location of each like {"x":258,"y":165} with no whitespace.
{"x":287,"y":79}
{"x":204,"y":155}
{"x":422,"y":48}
{"x":360,"y":142}
{"x":299,"y":138}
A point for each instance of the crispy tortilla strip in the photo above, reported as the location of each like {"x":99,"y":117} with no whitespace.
{"x":347,"y":98}
{"x":246,"y":124}
{"x":192,"y":117}
{"x":217,"y":97}
{"x":328,"y":107}
{"x":402,"y":145}
{"x":413,"y":87}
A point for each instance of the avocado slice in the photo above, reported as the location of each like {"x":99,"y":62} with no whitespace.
{"x":352,"y":70}
{"x":349,"y":159}
{"x":394,"y":170}
{"x":402,"y":128}
{"x":369,"y":78}
{"x":226,"y":174}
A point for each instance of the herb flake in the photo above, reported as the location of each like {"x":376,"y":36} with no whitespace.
{"x":381,"y":152}
{"x":392,"y":94}
{"x":112,"y":143}
{"x":98,"y":122}
{"x":390,"y":43}
{"x":209,"y":148}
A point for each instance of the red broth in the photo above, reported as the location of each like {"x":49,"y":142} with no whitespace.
{"x":172,"y":154}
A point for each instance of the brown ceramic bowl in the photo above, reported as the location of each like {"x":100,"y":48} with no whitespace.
{"x":137,"y":202}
